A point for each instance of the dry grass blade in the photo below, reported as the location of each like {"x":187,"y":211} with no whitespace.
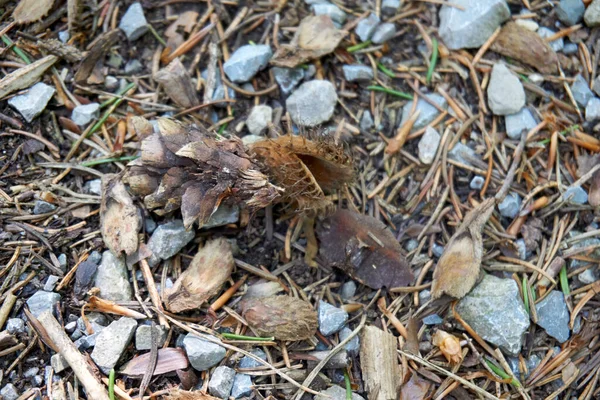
{"x":97,"y":304}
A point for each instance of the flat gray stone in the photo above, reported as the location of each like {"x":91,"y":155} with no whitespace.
{"x":259,"y":118}
{"x":591,"y":17}
{"x":168,"y":239}
{"x":336,"y":393}
{"x":51,"y":283}
{"x":111,"y":83}
{"x":133,"y":67}
{"x":348,"y":290}
{"x":333,"y":11}
{"x":588,"y":276}
{"x":570,"y":48}
{"x":366,"y":27}
{"x":553,"y":316}
{"x":516,"y":123}
{"x":495,"y":311}
{"x":202,"y":354}
{"x":64,"y":36}
{"x":42,"y":301}
{"x":428,"y":145}
{"x":93,"y":187}
{"x":58,"y":363}
{"x":477,"y":182}
{"x":581,"y":91}
{"x":462,"y":153}
{"x":353,"y":345}
{"x":383,"y":33}
{"x":112,"y":342}
{"x":576,"y":195}
{"x":509,"y":207}
{"x":226,"y":214}
{"x":43,"y":207}
{"x":83,"y":115}
{"x":9,"y":392}
{"x":427,"y":112}
{"x":366,"y":121}
{"x":287,"y":78}
{"x":505,"y":92}
{"x":15,"y":325}
{"x":432,"y":319}
{"x":357,"y":73}
{"x":472,"y":27}
{"x":242,"y":386}
{"x":133,"y":22}
{"x":592,"y":110}
{"x":97,"y":320}
{"x":331,"y":319}
{"x":143,"y":336}
{"x":390,"y":7}
{"x":31,"y":103}
{"x":248,"y":362}
{"x":112,"y":278}
{"x":570,"y":12}
{"x":246,"y":61}
{"x":556,"y":45}
{"x":312,"y":103}
{"x":221,"y":382}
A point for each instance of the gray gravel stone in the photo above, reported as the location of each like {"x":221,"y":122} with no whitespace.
{"x":462,"y":153}
{"x":553,"y":315}
{"x":477,"y":182}
{"x":242,"y":386}
{"x":42,"y":301}
{"x":287,"y":78}
{"x":428,"y":145}
{"x":133,"y":67}
{"x":390,"y":7}
{"x":43,"y":207}
{"x":225,"y":214}
{"x":348,"y":290}
{"x":516,"y":123}
{"x":259,"y":118}
{"x":505,"y":92}
{"x":383,"y":33}
{"x":427,"y":112}
{"x":588,"y":276}
{"x":336,"y":393}
{"x":64,"y":36}
{"x":51,"y":283}
{"x":15,"y":325}
{"x":331,"y":319}
{"x":353,"y":345}
{"x":592,"y":110}
{"x":366,"y":27}
{"x":111,"y":83}
{"x":143,"y":336}
{"x":219,"y":91}
{"x":556,"y":45}
{"x":521,"y":249}
{"x":246,"y":61}
{"x":58,"y":362}
{"x":570,"y":12}
{"x":221,"y":382}
{"x":592,"y":14}
{"x":581,"y":91}
{"x":509,"y":207}
{"x":83,"y":115}
{"x":169,"y":238}
{"x":333,"y":11}
{"x":201,"y":353}
{"x":93,"y":187}
{"x":133,"y":22}
{"x":112,"y":278}
{"x":495,"y":311}
{"x":247,"y":362}
{"x":575,"y":194}
{"x":357,"y":73}
{"x":570,"y":48}
{"x":432,"y":319}
{"x":31,"y":103}
{"x":9,"y":392}
{"x":472,"y":27}
{"x":312,"y":103}
{"x":62,"y":261}
{"x":366,"y":121}
{"x":112,"y":342}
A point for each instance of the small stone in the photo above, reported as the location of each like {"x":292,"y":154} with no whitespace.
{"x":221,"y":382}
{"x":576,"y":195}
{"x":93,"y":187}
{"x":202,"y":353}
{"x":427,"y":112}
{"x":357,"y":73}
{"x":219,"y":91}
{"x":556,"y":45}
{"x":249,"y":139}
{"x":331,"y":319}
{"x":111,"y":83}
{"x":592,"y":110}
{"x":150,"y":225}
{"x":58,"y":362}
{"x":509,"y":207}
{"x":521,"y":249}
{"x":62,"y":261}
{"x":348,"y":290}
{"x":495,"y":311}
{"x":353,"y":345}
{"x":9,"y":392}
{"x":259,"y":119}
{"x":133,"y":67}
{"x":287,"y":78}
{"x":366,"y":121}
{"x":438,"y":250}
{"x":51,"y":283}
{"x":312,"y":103}
{"x":570,"y":48}
{"x":477,"y":182}
{"x":538,"y":79}
{"x":390,"y":7}
{"x":15,"y":325}
{"x":432,"y":319}
{"x":133,"y":22}
{"x":115,"y":61}
{"x":570,"y":12}
{"x":383,"y":33}
{"x":428,"y":145}
{"x":83,"y":115}
{"x":242,"y":386}
{"x":226,"y":214}
{"x":336,"y":393}
{"x":43,"y":207}
{"x":70,"y":326}
{"x":366,"y":27}
{"x":333,"y":11}
{"x":411,"y":245}
{"x":505,"y":92}
{"x":64,"y":36}
{"x":472,"y":26}
{"x":42,"y":301}
{"x":516,"y":123}
{"x":581,"y":91}
{"x":528,"y":24}
{"x":553,"y":315}
{"x":31,"y":103}
{"x":592,"y":14}
{"x":143,"y":336}
{"x":95,"y":257}
{"x":248,"y":362}
{"x":168,"y":239}
{"x":112,"y":278}
{"x":588,"y":276}
{"x":112,"y":342}
{"x":246,"y":61}
{"x":462,"y":154}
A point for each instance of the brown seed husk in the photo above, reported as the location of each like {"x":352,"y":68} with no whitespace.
{"x":449,"y":346}
{"x":208,"y":271}
{"x":282,"y":317}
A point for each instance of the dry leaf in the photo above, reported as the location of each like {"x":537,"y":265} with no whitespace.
{"x":177,"y":83}
{"x":457,"y":269}
{"x":98,"y":48}
{"x":26,"y":76}
{"x":415,"y":389}
{"x":282,"y":317}
{"x":208,"y":271}
{"x":449,"y":346}
{"x":364,"y":248}
{"x":31,"y":10}
{"x":119,"y":217}
{"x":169,"y":360}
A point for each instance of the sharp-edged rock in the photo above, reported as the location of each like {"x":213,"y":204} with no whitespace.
{"x":570,"y":12}
{"x":312,"y":103}
{"x":427,"y":112}
{"x":202,"y":353}
{"x":333,"y":11}
{"x":331,"y":319}
{"x":112,"y":278}
{"x":591,"y":17}
{"x":510,"y":205}
{"x":259,"y":118}
{"x":143,"y":336}
{"x":357,"y":73}
{"x":221,"y":382}
{"x":31,"y":103}
{"x":505,"y":92}
{"x":383,"y":33}
{"x":169,"y":238}
{"x":428,"y":145}
{"x":133,"y":22}
{"x":42,"y":301}
{"x":246,"y":61}
{"x":112,"y":342}
{"x":366,"y":27}
{"x":516,"y":123}
{"x":553,"y":315}
{"x":287,"y":78}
